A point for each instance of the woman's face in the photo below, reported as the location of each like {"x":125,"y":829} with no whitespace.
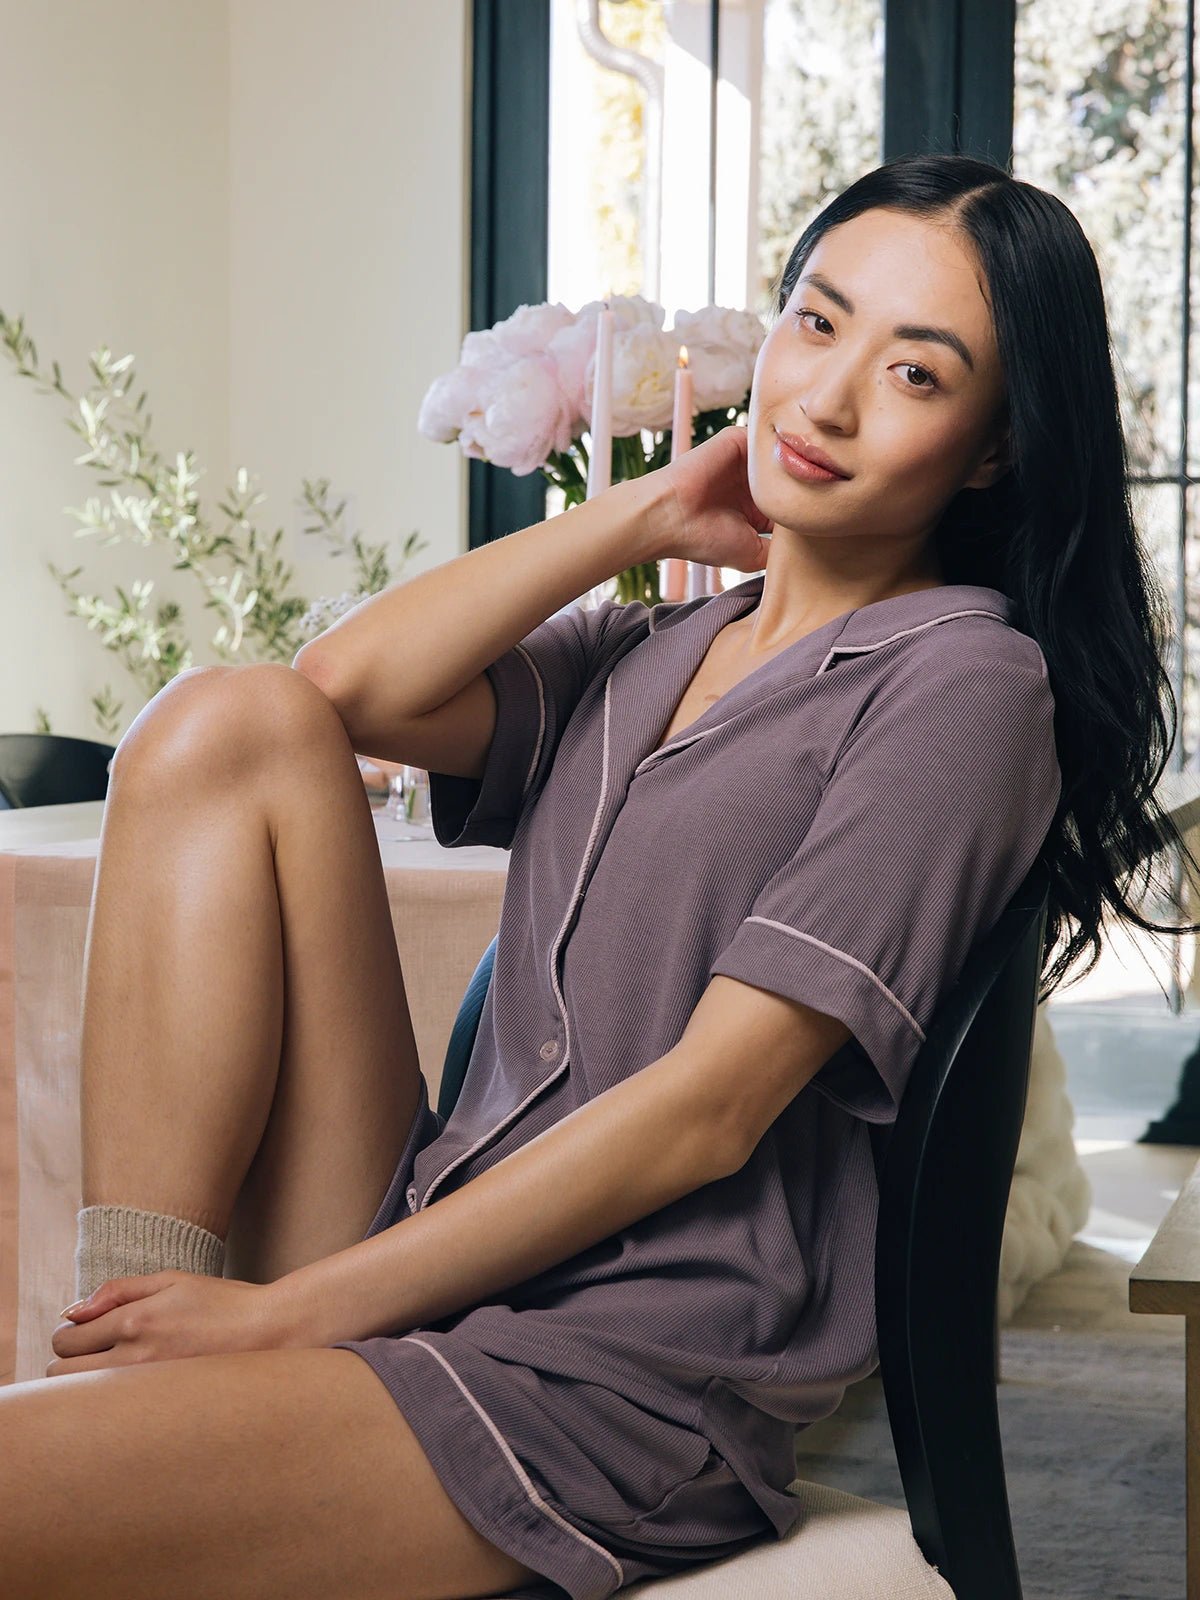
{"x":885,"y":359}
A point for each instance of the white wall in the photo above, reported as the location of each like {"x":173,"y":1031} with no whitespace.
{"x":266,"y":203}
{"x":349,"y":195}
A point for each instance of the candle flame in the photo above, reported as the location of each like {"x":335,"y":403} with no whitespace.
{"x":683,"y":355}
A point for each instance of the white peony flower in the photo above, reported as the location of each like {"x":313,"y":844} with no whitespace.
{"x":519,"y":416}
{"x":631,"y":311}
{"x":522,"y":390}
{"x":481,"y":348}
{"x":721,"y":377}
{"x":573,"y":348}
{"x":722,"y":346}
{"x":529,"y":330}
{"x":446,"y":403}
{"x":643,"y":391}
{"x":457,"y":404}
{"x":721,"y":325}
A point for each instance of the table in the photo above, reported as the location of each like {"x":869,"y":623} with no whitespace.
{"x":1167,"y":1279}
{"x":445,"y":908}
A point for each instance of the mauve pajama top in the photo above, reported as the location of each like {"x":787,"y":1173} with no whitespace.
{"x":839,"y":828}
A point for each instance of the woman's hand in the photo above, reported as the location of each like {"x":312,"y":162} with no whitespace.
{"x":710,"y":515}
{"x":163,"y":1315}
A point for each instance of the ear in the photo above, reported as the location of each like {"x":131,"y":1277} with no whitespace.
{"x":992,"y":466}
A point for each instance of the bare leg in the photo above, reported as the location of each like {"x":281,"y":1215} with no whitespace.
{"x":248,"y":1059}
{"x":271,"y":1475}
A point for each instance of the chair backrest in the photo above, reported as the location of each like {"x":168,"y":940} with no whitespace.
{"x":49,"y":769}
{"x":944,"y":1169}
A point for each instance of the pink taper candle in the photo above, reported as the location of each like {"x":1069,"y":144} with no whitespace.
{"x":675,"y":573}
{"x":681,"y":420}
{"x":600,"y":459}
{"x":694,"y":579}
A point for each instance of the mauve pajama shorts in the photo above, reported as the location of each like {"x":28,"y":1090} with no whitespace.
{"x":573,"y":1479}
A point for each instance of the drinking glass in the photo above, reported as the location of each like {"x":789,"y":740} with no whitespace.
{"x":407,"y":806}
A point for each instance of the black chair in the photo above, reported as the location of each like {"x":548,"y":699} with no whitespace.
{"x":48,"y":769}
{"x":944,"y":1169}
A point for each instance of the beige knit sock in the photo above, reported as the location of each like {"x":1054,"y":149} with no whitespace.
{"x":123,"y":1242}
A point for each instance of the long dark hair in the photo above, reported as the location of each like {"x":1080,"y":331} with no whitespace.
{"x":1056,"y":534}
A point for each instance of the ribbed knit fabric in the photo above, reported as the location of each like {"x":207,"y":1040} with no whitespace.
{"x":838,"y":828}
{"x":123,"y":1242}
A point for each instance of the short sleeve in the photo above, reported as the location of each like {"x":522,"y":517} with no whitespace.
{"x":937,"y":805}
{"x":537,"y":683}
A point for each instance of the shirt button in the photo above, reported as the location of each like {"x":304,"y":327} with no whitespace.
{"x":549,"y":1049}
{"x":411,"y":1197}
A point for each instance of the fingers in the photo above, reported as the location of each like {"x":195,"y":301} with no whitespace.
{"x":93,"y":1363}
{"x":117,"y":1292}
{"x":70,"y":1340}
{"x":89,"y":1306}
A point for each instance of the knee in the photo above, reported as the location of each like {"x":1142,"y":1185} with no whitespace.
{"x":226,"y":721}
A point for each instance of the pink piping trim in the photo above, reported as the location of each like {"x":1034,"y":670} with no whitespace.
{"x":486,"y":1138}
{"x":845,"y":649}
{"x":782,"y":927}
{"x":521,"y":1475}
{"x":541,"y":689}
{"x":689,"y":738}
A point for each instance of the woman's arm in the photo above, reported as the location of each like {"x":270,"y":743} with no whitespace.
{"x":689,"y":1118}
{"x":630,"y":1151}
{"x":405,"y":669}
{"x":403,"y":653}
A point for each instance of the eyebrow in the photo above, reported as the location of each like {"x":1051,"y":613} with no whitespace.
{"x":902,"y":330}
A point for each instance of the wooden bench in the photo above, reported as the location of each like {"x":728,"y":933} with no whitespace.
{"x":1167,"y":1279}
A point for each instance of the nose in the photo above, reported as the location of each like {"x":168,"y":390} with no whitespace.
{"x":827,"y":398}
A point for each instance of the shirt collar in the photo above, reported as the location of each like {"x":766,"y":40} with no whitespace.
{"x":647,"y":684}
{"x":871,"y":625}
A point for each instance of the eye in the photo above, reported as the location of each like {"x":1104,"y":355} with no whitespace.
{"x":930,"y":378}
{"x":809,"y":313}
{"x":911,"y":366}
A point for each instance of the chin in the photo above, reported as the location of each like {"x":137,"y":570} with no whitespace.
{"x":782,"y":509}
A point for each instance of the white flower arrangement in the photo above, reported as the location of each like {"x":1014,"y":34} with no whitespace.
{"x":521,"y":395}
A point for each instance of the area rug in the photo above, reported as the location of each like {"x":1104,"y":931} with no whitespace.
{"x":1093,"y":1432}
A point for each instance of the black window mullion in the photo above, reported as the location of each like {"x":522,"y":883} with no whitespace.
{"x":510,"y":196}
{"x":948,"y":77}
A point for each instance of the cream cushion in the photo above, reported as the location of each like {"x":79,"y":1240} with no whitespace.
{"x":843,"y":1548}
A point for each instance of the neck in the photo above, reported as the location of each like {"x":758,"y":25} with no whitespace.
{"x":786,"y":610}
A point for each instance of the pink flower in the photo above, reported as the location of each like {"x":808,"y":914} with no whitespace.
{"x":502,"y":370}
{"x":522,"y":390}
{"x":530,"y":329}
{"x":518,"y":415}
{"x":482,"y":348}
{"x":446,"y":403}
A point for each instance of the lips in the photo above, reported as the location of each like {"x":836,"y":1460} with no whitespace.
{"x":811,"y":453}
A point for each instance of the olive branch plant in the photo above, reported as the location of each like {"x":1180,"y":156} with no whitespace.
{"x":243,"y":577}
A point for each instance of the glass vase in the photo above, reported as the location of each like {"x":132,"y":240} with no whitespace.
{"x":568,"y":471}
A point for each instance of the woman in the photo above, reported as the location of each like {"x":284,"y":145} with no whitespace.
{"x":753,"y":837}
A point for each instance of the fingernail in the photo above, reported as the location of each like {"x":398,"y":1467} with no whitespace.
{"x":67,"y":1310}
